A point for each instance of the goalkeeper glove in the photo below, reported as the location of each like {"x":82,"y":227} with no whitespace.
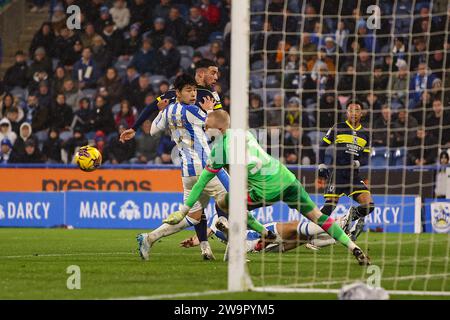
{"x":177,"y":216}
{"x":323,"y":171}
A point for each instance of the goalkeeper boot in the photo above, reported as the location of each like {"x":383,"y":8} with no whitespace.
{"x":361,"y":257}
{"x":359,"y":226}
{"x":144,"y":246}
{"x":206,"y":251}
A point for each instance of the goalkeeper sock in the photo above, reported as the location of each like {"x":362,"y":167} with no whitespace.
{"x":166,"y":229}
{"x":254,"y":224}
{"x":332,"y":228}
{"x":201,"y":229}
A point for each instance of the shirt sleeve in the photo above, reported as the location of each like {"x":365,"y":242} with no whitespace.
{"x":326,"y":141}
{"x":160,"y":123}
{"x":145,"y":114}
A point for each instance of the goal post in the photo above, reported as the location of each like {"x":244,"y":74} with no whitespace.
{"x":238,"y":278}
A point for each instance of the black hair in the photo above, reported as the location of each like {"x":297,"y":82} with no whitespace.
{"x":354,"y":101}
{"x":205,"y":63}
{"x":183,"y":81}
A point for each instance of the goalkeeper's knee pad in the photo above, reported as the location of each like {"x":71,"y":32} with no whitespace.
{"x":328,"y":208}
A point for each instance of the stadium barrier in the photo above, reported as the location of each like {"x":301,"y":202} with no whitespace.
{"x":145,"y":210}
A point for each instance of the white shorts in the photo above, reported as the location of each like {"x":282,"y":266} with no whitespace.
{"x":214,"y":188}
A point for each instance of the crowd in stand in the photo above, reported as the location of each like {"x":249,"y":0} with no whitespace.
{"x":74,"y":87}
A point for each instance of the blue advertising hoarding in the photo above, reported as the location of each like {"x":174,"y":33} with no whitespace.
{"x":31,"y":209}
{"x":146,"y":210}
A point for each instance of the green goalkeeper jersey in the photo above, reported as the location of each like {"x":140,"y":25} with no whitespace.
{"x":267,"y":177}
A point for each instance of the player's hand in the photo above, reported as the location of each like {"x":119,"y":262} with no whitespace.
{"x":162,"y":104}
{"x":208,"y":104}
{"x":323,"y":171}
{"x":127,"y":135}
{"x":189,"y":242}
{"x":175,"y":217}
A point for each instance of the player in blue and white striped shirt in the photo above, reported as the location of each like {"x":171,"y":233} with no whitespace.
{"x":186,"y":121}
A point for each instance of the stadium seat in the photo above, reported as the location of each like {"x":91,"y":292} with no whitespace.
{"x":257,"y":65}
{"x":215,"y":36}
{"x":380,"y":157}
{"x":155,"y":80}
{"x":398,"y":157}
{"x":257,"y":5}
{"x":256,"y":80}
{"x":272,"y":82}
{"x":186,"y":51}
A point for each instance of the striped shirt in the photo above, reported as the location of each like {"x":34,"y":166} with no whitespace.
{"x":186,"y":124}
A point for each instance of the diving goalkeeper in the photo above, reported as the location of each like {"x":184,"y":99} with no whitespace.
{"x":269,"y":181}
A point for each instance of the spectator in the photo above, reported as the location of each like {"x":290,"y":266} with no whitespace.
{"x":117,"y":152}
{"x":140,"y":11}
{"x":144,"y":59}
{"x":72,"y":94}
{"x":13,"y":116}
{"x":298,"y":149}
{"x":379,"y":80}
{"x":58,"y":79}
{"x":404,"y":128}
{"x":167,"y":58}
{"x":157,"y":33}
{"x":162,"y":9}
{"x":131,"y":81}
{"x":103,"y":19}
{"x":421,"y":81}
{"x":32,"y":154}
{"x":44,"y":38}
{"x":25,"y":134}
{"x":441,"y":177}
{"x":17,"y":74}
{"x":83,"y":115}
{"x":211,"y":13}
{"x":43,"y":95}
{"x":101,"y":116}
{"x":64,"y":42}
{"x":438,"y":123}
{"x":6,"y":131}
{"x":198,"y":28}
{"x":52,"y":147}
{"x":6,"y":151}
{"x":86,"y":71}
{"x":341,"y":36}
{"x":40,"y":69}
{"x":8,"y":102}
{"x":146,"y":145}
{"x":399,"y":49}
{"x":383,"y":136}
{"x":126,"y":115}
{"x":327,"y":117}
{"x":101,"y":55}
{"x":131,"y":42}
{"x":399,"y":83}
{"x":275,"y":112}
{"x":300,"y":84}
{"x":256,"y":112}
{"x":176,"y":26}
{"x":295,"y":115}
{"x":73,"y":144}
{"x":61,"y":114}
{"x":110,"y":86}
{"x":422,"y":149}
{"x":87,"y":37}
{"x":99,"y":140}
{"x":140,"y":92}
{"x":72,"y":55}
{"x":120,"y":14}
{"x":113,"y":38}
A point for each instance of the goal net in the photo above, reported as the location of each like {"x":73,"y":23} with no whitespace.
{"x":306,"y":60}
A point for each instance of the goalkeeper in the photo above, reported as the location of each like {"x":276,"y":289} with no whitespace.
{"x":269,"y":181}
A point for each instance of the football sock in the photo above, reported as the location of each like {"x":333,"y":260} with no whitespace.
{"x":308,"y":229}
{"x":165,"y":229}
{"x":202,"y":229}
{"x":332,"y":228}
{"x":220,"y":212}
{"x":328,"y":208}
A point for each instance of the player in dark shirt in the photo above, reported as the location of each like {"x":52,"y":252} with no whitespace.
{"x":352,"y":149}
{"x":206,"y":76}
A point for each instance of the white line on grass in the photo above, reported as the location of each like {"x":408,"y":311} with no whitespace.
{"x":175,"y":295}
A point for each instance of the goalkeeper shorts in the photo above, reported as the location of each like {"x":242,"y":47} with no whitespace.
{"x":295,"y":196}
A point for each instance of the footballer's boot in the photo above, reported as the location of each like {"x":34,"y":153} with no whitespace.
{"x":207,"y":253}
{"x":359,"y":226}
{"x":144,"y":245}
{"x":361,"y":257}
{"x":348,"y":219}
{"x":311,"y":246}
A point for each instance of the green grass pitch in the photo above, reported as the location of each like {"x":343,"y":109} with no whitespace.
{"x":33,"y":265}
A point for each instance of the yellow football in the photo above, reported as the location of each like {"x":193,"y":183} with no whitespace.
{"x":88,"y":158}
